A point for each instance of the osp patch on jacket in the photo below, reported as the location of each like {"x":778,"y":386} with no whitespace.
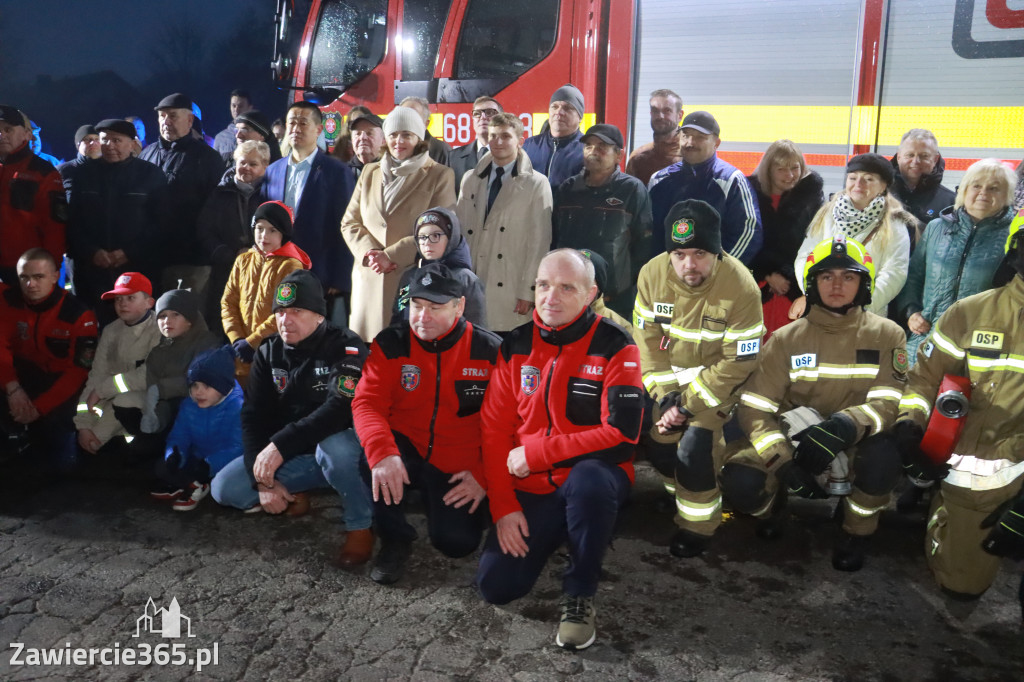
{"x":529,"y":379}
{"x":410,"y":377}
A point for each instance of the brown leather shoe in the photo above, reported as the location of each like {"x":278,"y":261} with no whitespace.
{"x":298,"y":507}
{"x":357,"y":549}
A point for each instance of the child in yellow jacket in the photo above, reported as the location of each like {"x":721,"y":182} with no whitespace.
{"x":246,"y":306}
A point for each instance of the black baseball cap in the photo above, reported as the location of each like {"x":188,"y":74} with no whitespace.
{"x":11,"y":115}
{"x":605,"y":132}
{"x":435,"y":283}
{"x":702,"y":121}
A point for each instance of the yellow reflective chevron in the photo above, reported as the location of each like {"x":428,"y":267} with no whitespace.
{"x":935,"y":518}
{"x":654,"y":379}
{"x":120,"y":383}
{"x":947,"y":346}
{"x":882,"y":393}
{"x":705,"y":393}
{"x":698,"y":511}
{"x":759,"y":402}
{"x":862,"y":511}
{"x":913,"y":401}
{"x":875,"y":418}
{"x":695,"y":335}
{"x":767,"y":440}
{"x":1007,"y":363}
{"x":831,"y":371}
{"x":643,"y":313}
{"x":749,"y":333}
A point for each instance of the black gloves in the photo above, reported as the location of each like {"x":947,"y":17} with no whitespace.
{"x":820,"y":443}
{"x":243,"y":351}
{"x":916,"y":464}
{"x":800,"y":482}
{"x":1007,"y":538}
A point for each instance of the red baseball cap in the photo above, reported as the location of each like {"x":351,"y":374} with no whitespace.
{"x":129,"y":283}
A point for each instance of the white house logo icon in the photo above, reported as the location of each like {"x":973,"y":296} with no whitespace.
{"x":163,"y":622}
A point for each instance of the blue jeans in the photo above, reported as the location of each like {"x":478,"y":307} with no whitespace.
{"x":335,"y":465}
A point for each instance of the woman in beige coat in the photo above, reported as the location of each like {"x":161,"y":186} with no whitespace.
{"x":380,"y":221}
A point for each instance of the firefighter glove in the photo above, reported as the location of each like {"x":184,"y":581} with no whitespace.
{"x":820,"y":444}
{"x":916,"y":464}
{"x":800,"y":482}
{"x":1006,"y":539}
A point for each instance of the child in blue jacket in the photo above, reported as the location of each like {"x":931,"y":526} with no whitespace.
{"x":207,"y":433}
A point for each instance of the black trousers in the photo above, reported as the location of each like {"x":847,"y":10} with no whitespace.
{"x":454,"y":532}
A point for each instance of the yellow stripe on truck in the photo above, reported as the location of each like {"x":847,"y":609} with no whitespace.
{"x":589,"y":119}
{"x":966,"y":127}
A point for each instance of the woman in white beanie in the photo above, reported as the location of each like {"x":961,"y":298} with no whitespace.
{"x":381,"y":217}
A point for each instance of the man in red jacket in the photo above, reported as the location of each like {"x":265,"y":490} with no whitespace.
{"x":562,"y":416}
{"x":33,"y":205}
{"x":417,"y":414}
{"x":47,"y":342}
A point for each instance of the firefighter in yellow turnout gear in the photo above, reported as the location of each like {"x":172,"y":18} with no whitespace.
{"x":978,"y":515}
{"x":697,"y":321}
{"x":848,"y":366}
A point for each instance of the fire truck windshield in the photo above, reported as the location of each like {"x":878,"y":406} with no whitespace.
{"x":350,"y":40}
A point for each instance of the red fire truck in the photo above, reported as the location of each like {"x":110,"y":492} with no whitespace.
{"x":837,"y":77}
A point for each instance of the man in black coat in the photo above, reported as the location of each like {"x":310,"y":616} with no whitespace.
{"x":193,"y":169}
{"x":117,"y":217}
{"x":919,"y":167}
{"x":464,"y":159}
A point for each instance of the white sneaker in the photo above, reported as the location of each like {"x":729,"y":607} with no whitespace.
{"x":189,"y":499}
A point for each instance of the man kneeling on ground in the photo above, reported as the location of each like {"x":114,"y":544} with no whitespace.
{"x":562,"y":418}
{"x":417,"y":411}
{"x":297,"y":418}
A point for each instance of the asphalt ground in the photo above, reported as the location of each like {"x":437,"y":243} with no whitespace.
{"x":79,"y":560}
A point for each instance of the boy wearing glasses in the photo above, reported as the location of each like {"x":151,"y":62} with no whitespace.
{"x":439,"y":240}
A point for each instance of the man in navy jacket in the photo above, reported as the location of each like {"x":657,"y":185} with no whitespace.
{"x":558,"y":152}
{"x":317,"y":188}
{"x":702,"y":175}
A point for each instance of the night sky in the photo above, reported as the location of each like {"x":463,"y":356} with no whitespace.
{"x":72,"y":37}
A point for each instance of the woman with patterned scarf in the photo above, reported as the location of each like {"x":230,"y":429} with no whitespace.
{"x":867,"y":212}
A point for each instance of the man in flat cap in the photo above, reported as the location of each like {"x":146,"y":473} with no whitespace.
{"x":252,"y":125}
{"x":297,"y":418}
{"x":193,"y":169}
{"x":33,"y":205}
{"x":117,"y":206}
{"x":367,"y":134}
{"x":604,"y":210}
{"x":702,"y":175}
{"x":558,"y":152}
